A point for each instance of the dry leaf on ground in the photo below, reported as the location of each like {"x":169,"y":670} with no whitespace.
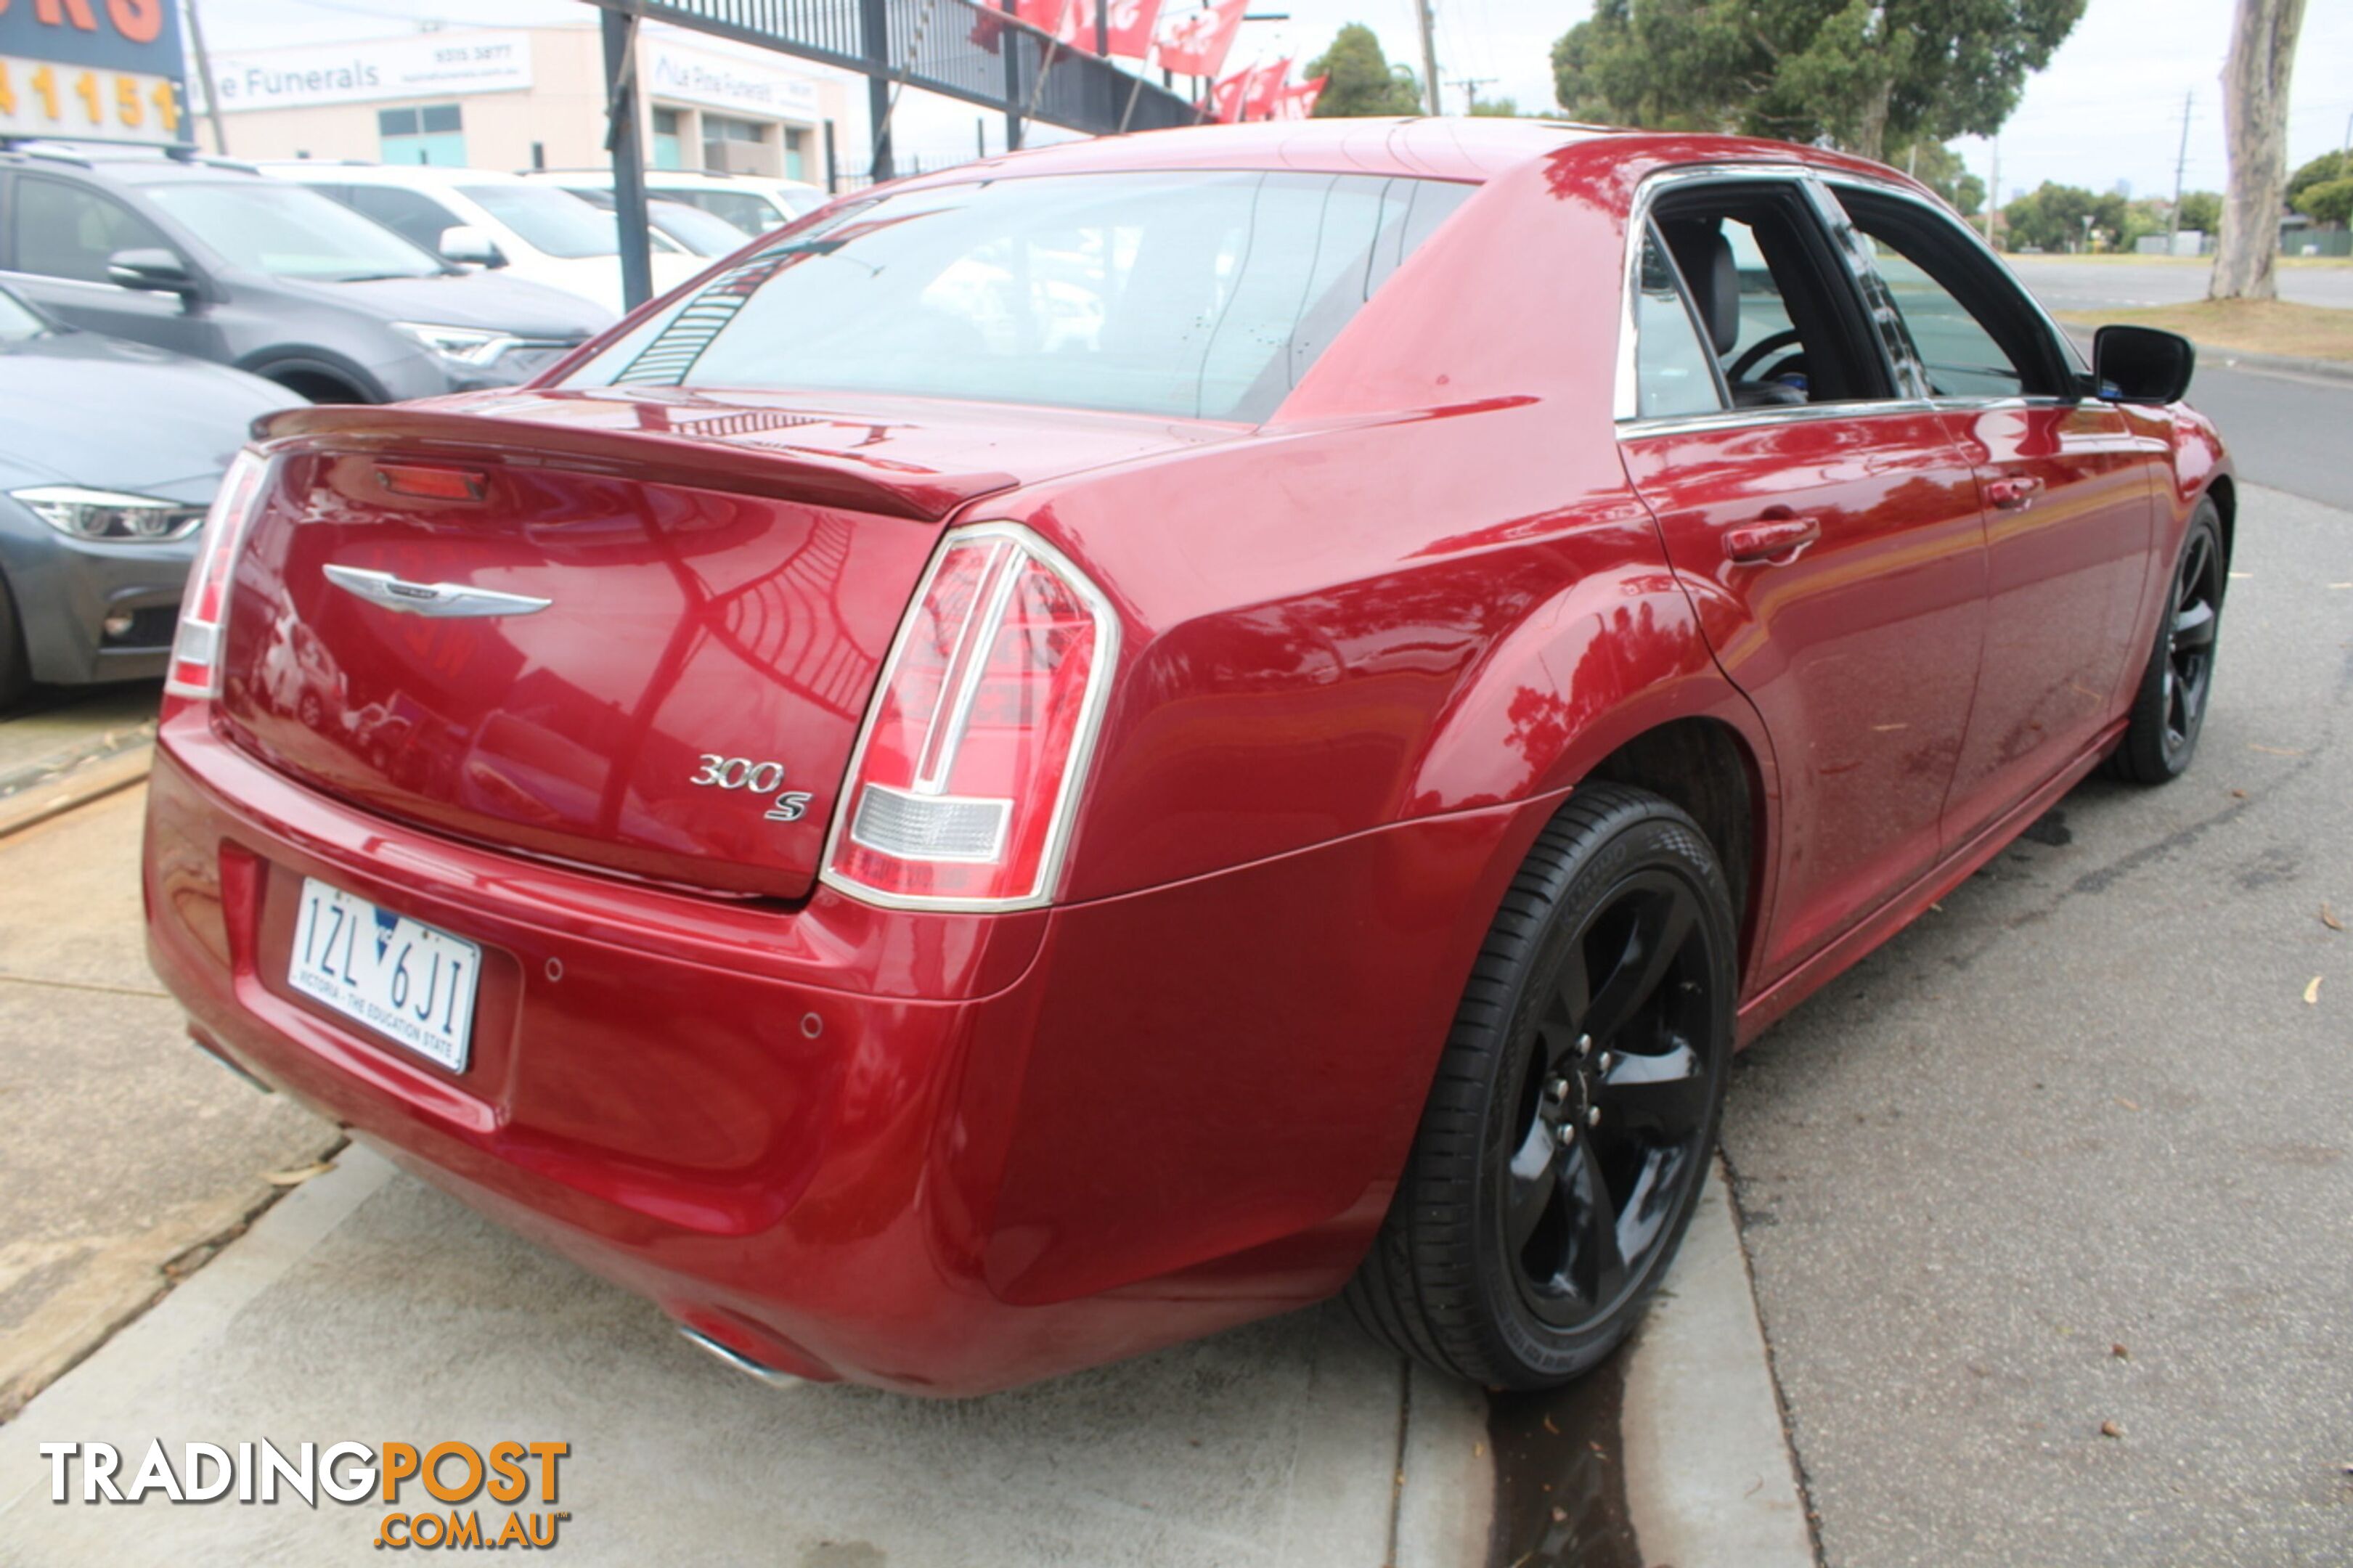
{"x":297,"y":1176}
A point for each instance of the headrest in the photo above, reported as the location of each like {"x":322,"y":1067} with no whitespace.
{"x":1704,"y":257}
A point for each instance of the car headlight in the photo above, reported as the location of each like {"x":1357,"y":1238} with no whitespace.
{"x":466,"y":345}
{"x":109,"y":516}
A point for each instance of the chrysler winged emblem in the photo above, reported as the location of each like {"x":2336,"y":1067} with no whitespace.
{"x":438,"y":599}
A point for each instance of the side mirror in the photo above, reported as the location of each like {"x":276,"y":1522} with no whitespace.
{"x":466,"y":243}
{"x":151,"y":267}
{"x":2142,"y":364}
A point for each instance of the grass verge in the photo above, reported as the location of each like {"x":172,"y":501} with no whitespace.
{"x":2242,"y":326}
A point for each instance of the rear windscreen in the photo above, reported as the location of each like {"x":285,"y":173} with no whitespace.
{"x":1197,"y":295}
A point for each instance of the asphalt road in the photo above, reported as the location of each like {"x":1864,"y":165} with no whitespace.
{"x":2074,"y":1149}
{"x":2286,"y":431}
{"x":2065,"y":283}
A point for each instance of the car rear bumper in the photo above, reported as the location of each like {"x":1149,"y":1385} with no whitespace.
{"x":939,"y":1153}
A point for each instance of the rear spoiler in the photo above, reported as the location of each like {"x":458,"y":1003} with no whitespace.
{"x":730,"y":449}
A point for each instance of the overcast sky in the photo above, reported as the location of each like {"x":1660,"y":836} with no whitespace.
{"x":2108,"y":109}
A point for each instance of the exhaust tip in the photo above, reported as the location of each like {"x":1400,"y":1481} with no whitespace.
{"x":741,"y":1362}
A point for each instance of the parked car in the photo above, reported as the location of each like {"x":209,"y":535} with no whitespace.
{"x":692,"y":229}
{"x":110,"y":453}
{"x":942,"y":859}
{"x":488,"y":219}
{"x":752,"y":203}
{"x":209,"y":260}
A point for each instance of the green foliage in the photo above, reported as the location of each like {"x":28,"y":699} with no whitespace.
{"x":2051,"y":217}
{"x":2201,"y":210}
{"x":1865,"y":74}
{"x":2328,"y":201}
{"x":2320,"y":171}
{"x":1362,"y":80}
{"x":1940,"y":169}
{"x":1496,"y":109}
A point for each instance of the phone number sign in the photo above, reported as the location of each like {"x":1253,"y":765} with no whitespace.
{"x":92,"y":70}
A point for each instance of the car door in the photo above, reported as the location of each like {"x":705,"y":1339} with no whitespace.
{"x":2070,"y":490}
{"x":60,"y":232}
{"x":1828,"y":532}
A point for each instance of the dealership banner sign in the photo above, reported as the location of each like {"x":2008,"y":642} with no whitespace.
{"x":92,"y":70}
{"x":420,"y":65}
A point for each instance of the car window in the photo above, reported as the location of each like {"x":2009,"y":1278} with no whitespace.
{"x":1673,"y":369}
{"x":412,"y":215}
{"x":1204,"y":295}
{"x":290,"y":231}
{"x":1772,"y":294}
{"x":1961,"y":357}
{"x":1956,"y":315}
{"x":550,"y":220}
{"x":68,"y":231}
{"x":749,"y":213}
{"x":705,"y":233}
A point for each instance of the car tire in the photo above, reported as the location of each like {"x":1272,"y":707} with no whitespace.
{"x":2168,"y":711}
{"x":1569,"y":1128}
{"x":15,"y":666}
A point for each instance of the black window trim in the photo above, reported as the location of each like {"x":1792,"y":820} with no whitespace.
{"x":1984,"y":271}
{"x":1817,"y":183}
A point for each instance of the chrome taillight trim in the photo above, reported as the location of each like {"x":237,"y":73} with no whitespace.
{"x":1061,"y":824}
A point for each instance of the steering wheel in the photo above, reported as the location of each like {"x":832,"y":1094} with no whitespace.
{"x":1758,"y":350}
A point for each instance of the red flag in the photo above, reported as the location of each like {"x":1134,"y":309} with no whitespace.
{"x":1299,"y":102}
{"x":1072,"y":21}
{"x":1265,"y":87}
{"x":1197,"y":45}
{"x":1231,"y":96}
{"x":1131,"y":26}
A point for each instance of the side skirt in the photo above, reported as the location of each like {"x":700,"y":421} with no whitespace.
{"x":1762,"y":1010}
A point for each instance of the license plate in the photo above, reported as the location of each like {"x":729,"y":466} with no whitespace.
{"x":402,"y":979}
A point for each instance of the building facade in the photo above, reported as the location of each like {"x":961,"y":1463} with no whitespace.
{"x":533,"y":97}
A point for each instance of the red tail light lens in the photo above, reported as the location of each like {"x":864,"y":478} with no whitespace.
{"x":964,"y":784}
{"x":196,"y":649}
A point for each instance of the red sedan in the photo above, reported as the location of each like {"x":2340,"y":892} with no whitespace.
{"x":1108,"y":742}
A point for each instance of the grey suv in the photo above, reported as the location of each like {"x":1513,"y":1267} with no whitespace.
{"x":213,"y":259}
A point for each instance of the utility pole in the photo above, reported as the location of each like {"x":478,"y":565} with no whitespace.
{"x":1993,"y":190}
{"x":2181,"y":168}
{"x":1471,"y":86}
{"x":205,"y":78}
{"x":1428,"y":54}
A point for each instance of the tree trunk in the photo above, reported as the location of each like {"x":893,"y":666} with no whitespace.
{"x":1870,"y":120}
{"x":2254,"y":116}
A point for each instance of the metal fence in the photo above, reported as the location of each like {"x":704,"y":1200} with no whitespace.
{"x":957,"y":47}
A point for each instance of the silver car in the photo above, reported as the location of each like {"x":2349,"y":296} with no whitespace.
{"x":110,"y":453}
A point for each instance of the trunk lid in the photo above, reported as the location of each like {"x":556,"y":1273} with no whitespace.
{"x":638,"y":632}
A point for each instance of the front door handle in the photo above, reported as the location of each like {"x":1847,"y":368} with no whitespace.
{"x":1773,"y":542}
{"x":2014,"y":494}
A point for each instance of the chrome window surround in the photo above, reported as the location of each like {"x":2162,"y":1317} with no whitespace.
{"x":1903,"y":372}
{"x":1075,"y":769}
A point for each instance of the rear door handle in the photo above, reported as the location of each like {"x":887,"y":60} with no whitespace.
{"x":1775,"y":540}
{"x":2013,"y":494}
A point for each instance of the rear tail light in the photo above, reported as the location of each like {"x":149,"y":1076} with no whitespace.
{"x":966,"y":776}
{"x":195,"y":650}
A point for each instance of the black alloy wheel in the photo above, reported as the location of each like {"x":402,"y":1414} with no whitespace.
{"x":2168,"y":712}
{"x":1567,"y":1133}
{"x":2189,"y":640}
{"x":1614,"y":1103}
